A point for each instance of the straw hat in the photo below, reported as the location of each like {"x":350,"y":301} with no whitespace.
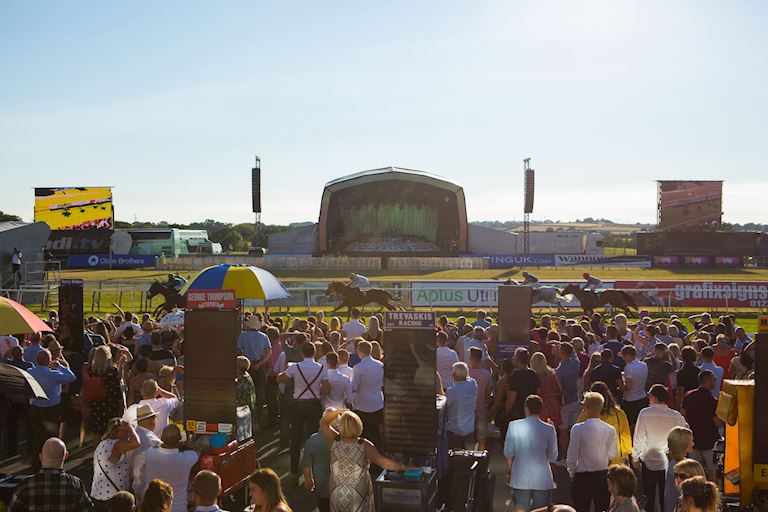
{"x":145,"y":411}
{"x":253,"y":323}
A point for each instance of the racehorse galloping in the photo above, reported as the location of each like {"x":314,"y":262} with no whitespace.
{"x":172,"y":298}
{"x":354,"y":297}
{"x":548,"y":294}
{"x":589,"y":301}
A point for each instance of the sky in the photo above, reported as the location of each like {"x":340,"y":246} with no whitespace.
{"x":168,"y":102}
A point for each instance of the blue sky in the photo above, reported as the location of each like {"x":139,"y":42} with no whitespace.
{"x":169,"y":101}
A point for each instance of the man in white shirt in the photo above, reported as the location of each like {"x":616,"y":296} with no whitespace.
{"x":146,"y":422}
{"x":162,"y":402}
{"x":635,"y":375}
{"x":206,"y":488}
{"x":649,"y":443}
{"x":445,"y":359}
{"x":354,"y":328}
{"x":310,"y":381}
{"x":130,"y":321}
{"x":592,"y":447}
{"x":171,"y":462}
{"x":344,"y":363}
{"x":367,"y":385}
{"x":340,"y":392}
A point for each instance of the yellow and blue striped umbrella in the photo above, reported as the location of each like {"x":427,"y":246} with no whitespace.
{"x":249,"y":282}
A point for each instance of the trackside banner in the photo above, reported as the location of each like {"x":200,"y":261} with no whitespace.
{"x":751,"y":294}
{"x":589,"y":260}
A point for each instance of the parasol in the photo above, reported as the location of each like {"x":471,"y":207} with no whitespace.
{"x":173,"y":319}
{"x":16,"y":319}
{"x":18,"y":385}
{"x":247,"y":281}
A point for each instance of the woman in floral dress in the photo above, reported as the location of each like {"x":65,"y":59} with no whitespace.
{"x":351,"y":456}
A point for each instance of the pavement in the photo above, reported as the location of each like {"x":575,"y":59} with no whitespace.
{"x":269,"y":453}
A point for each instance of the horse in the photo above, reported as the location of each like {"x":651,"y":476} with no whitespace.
{"x":589,"y":301}
{"x":549,"y":294}
{"x":173,"y":299}
{"x":354,"y":297}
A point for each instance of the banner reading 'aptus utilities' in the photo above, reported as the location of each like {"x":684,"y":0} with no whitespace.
{"x":70,"y":208}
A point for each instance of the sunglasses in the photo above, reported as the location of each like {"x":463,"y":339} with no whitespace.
{"x":682,"y":476}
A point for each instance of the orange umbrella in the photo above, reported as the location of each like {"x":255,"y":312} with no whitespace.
{"x":16,"y":319}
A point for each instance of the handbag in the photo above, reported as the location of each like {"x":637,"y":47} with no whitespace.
{"x":93,"y":388}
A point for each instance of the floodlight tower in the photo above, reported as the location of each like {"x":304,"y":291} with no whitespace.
{"x":528,"y":205}
{"x":256,"y":189}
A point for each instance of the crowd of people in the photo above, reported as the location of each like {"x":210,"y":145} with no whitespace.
{"x":608,"y":400}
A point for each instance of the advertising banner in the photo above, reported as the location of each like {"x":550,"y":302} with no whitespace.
{"x":75,"y":208}
{"x":61,"y":243}
{"x":522,"y":260}
{"x":698,"y":261}
{"x":103,"y":261}
{"x":707,"y":294}
{"x":478,"y":294}
{"x":589,"y":260}
{"x":409,"y":320}
{"x":211,"y":299}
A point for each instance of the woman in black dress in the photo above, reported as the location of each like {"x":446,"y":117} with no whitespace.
{"x":113,"y":403}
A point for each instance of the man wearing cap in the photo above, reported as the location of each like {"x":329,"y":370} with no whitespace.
{"x":255,"y":345}
{"x":146,"y":421}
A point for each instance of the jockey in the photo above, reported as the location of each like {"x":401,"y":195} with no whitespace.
{"x":358,"y":281}
{"x":592,"y":283}
{"x":176,"y":282}
{"x":530,"y":278}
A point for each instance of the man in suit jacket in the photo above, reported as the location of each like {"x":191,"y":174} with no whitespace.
{"x":532,"y":446}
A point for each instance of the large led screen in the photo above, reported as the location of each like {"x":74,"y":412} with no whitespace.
{"x":71,"y":208}
{"x":690,"y":205}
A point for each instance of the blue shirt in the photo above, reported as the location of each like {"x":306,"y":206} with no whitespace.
{"x":472,"y":342}
{"x":253,"y":344}
{"x":460,"y":406}
{"x":568,"y":375}
{"x":30,"y":353}
{"x":481,"y":322}
{"x":718,"y":376}
{"x":51,"y":381}
{"x":318,"y":457}
{"x":20,"y":363}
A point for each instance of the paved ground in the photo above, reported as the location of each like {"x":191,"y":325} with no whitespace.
{"x":80,"y":463}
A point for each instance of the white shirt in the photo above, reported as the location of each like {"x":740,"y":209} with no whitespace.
{"x":637,"y":372}
{"x":341,"y":390}
{"x":532,"y":444}
{"x":137,"y":459}
{"x":650,"y":441}
{"x":592,"y":447}
{"x":445,"y":359}
{"x":6,"y":344}
{"x":119,"y":472}
{"x":367,"y":384}
{"x":172,"y":467}
{"x":163,"y":407}
{"x":346,"y":370}
{"x":353,"y":329}
{"x":137,"y":331}
{"x":314,"y":373}
{"x":16,"y":258}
